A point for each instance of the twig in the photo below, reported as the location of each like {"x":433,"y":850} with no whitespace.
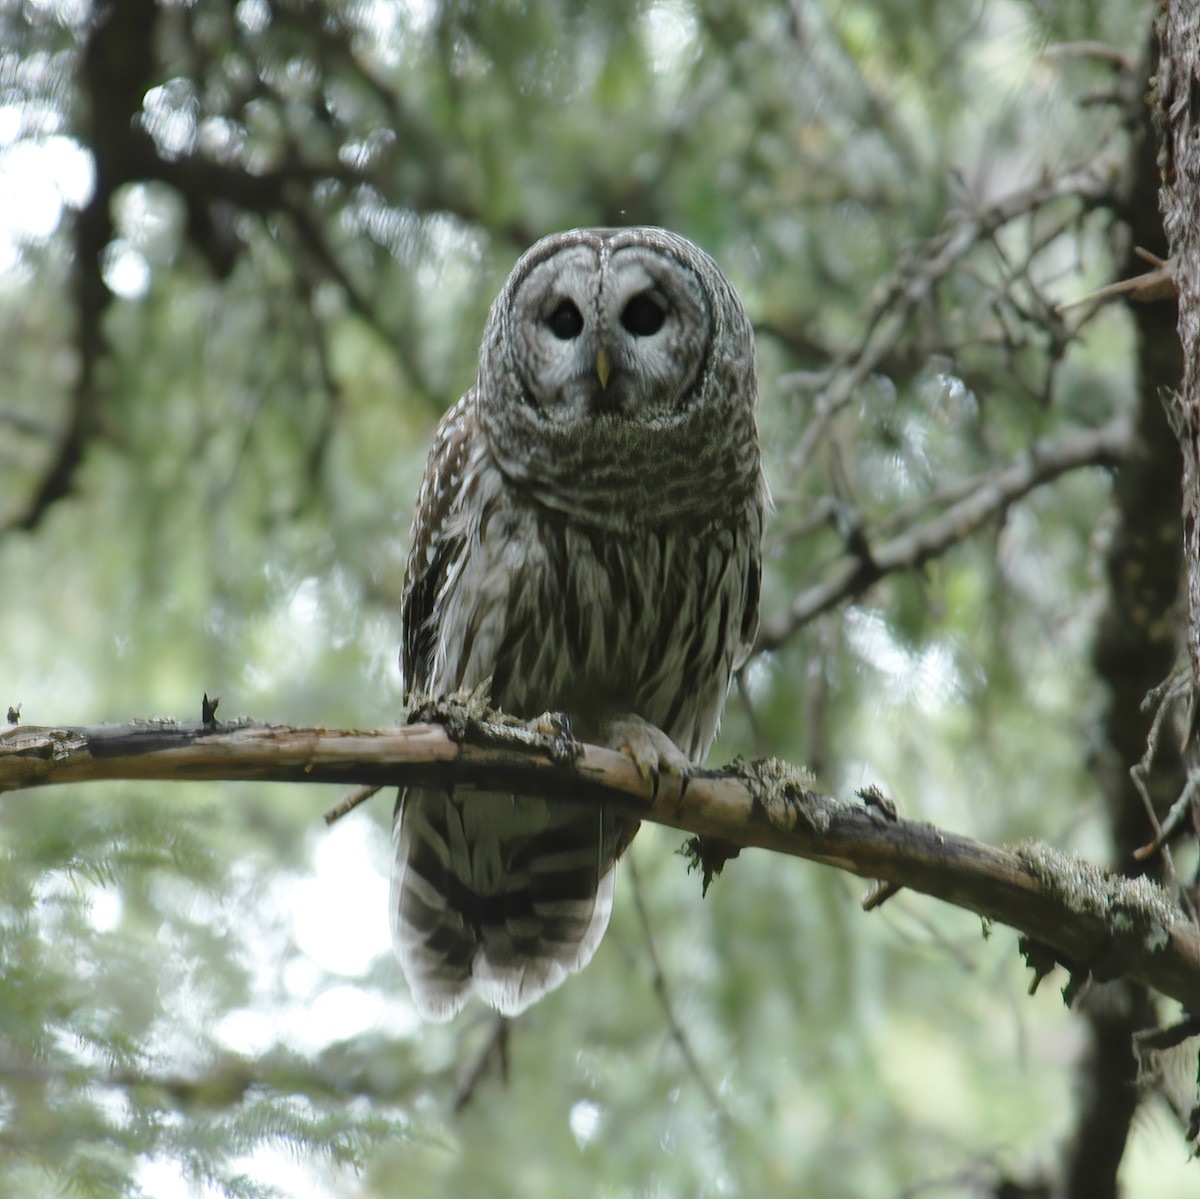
{"x":1146,"y":288}
{"x":915,"y":280}
{"x":1164,"y":698}
{"x":661,"y":992}
{"x":349,"y":802}
{"x":495,"y":1048}
{"x":1102,"y":51}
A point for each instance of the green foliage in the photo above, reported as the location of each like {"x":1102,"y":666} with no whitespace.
{"x":298,"y":280}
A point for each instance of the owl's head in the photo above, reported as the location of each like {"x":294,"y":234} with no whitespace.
{"x":613,"y":352}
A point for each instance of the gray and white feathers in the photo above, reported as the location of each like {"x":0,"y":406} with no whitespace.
{"x":587,"y":536}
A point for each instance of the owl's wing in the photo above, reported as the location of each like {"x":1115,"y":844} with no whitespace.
{"x":434,"y":546}
{"x":752,"y":593}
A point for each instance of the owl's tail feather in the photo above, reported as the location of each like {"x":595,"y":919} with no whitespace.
{"x":497,"y":896}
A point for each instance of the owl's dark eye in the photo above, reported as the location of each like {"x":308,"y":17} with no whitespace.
{"x":643,"y":315}
{"x":566,"y":321}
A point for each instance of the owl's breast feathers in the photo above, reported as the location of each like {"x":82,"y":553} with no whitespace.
{"x":563,"y":613}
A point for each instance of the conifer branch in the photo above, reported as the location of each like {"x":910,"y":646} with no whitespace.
{"x":1097,"y":924}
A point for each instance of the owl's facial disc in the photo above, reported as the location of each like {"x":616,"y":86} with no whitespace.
{"x":612,"y":337}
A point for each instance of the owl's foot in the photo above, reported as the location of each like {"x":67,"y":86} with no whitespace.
{"x":650,"y":749}
{"x":556,"y":736}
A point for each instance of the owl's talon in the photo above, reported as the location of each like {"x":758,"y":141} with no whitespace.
{"x":648,"y":748}
{"x":556,"y":729}
{"x":553,"y":724}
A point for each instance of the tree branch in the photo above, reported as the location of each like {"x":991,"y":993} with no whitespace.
{"x":988,"y":496}
{"x":1092,"y":921}
{"x":915,"y":280}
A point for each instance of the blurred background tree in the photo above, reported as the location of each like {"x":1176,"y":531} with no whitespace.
{"x":246,"y":251}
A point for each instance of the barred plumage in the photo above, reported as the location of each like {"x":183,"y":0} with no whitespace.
{"x":588,"y":536}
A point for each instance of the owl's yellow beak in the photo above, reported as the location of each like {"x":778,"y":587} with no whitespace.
{"x":603,"y":366}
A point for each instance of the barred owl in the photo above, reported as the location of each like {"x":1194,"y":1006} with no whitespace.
{"x":588,"y":536}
